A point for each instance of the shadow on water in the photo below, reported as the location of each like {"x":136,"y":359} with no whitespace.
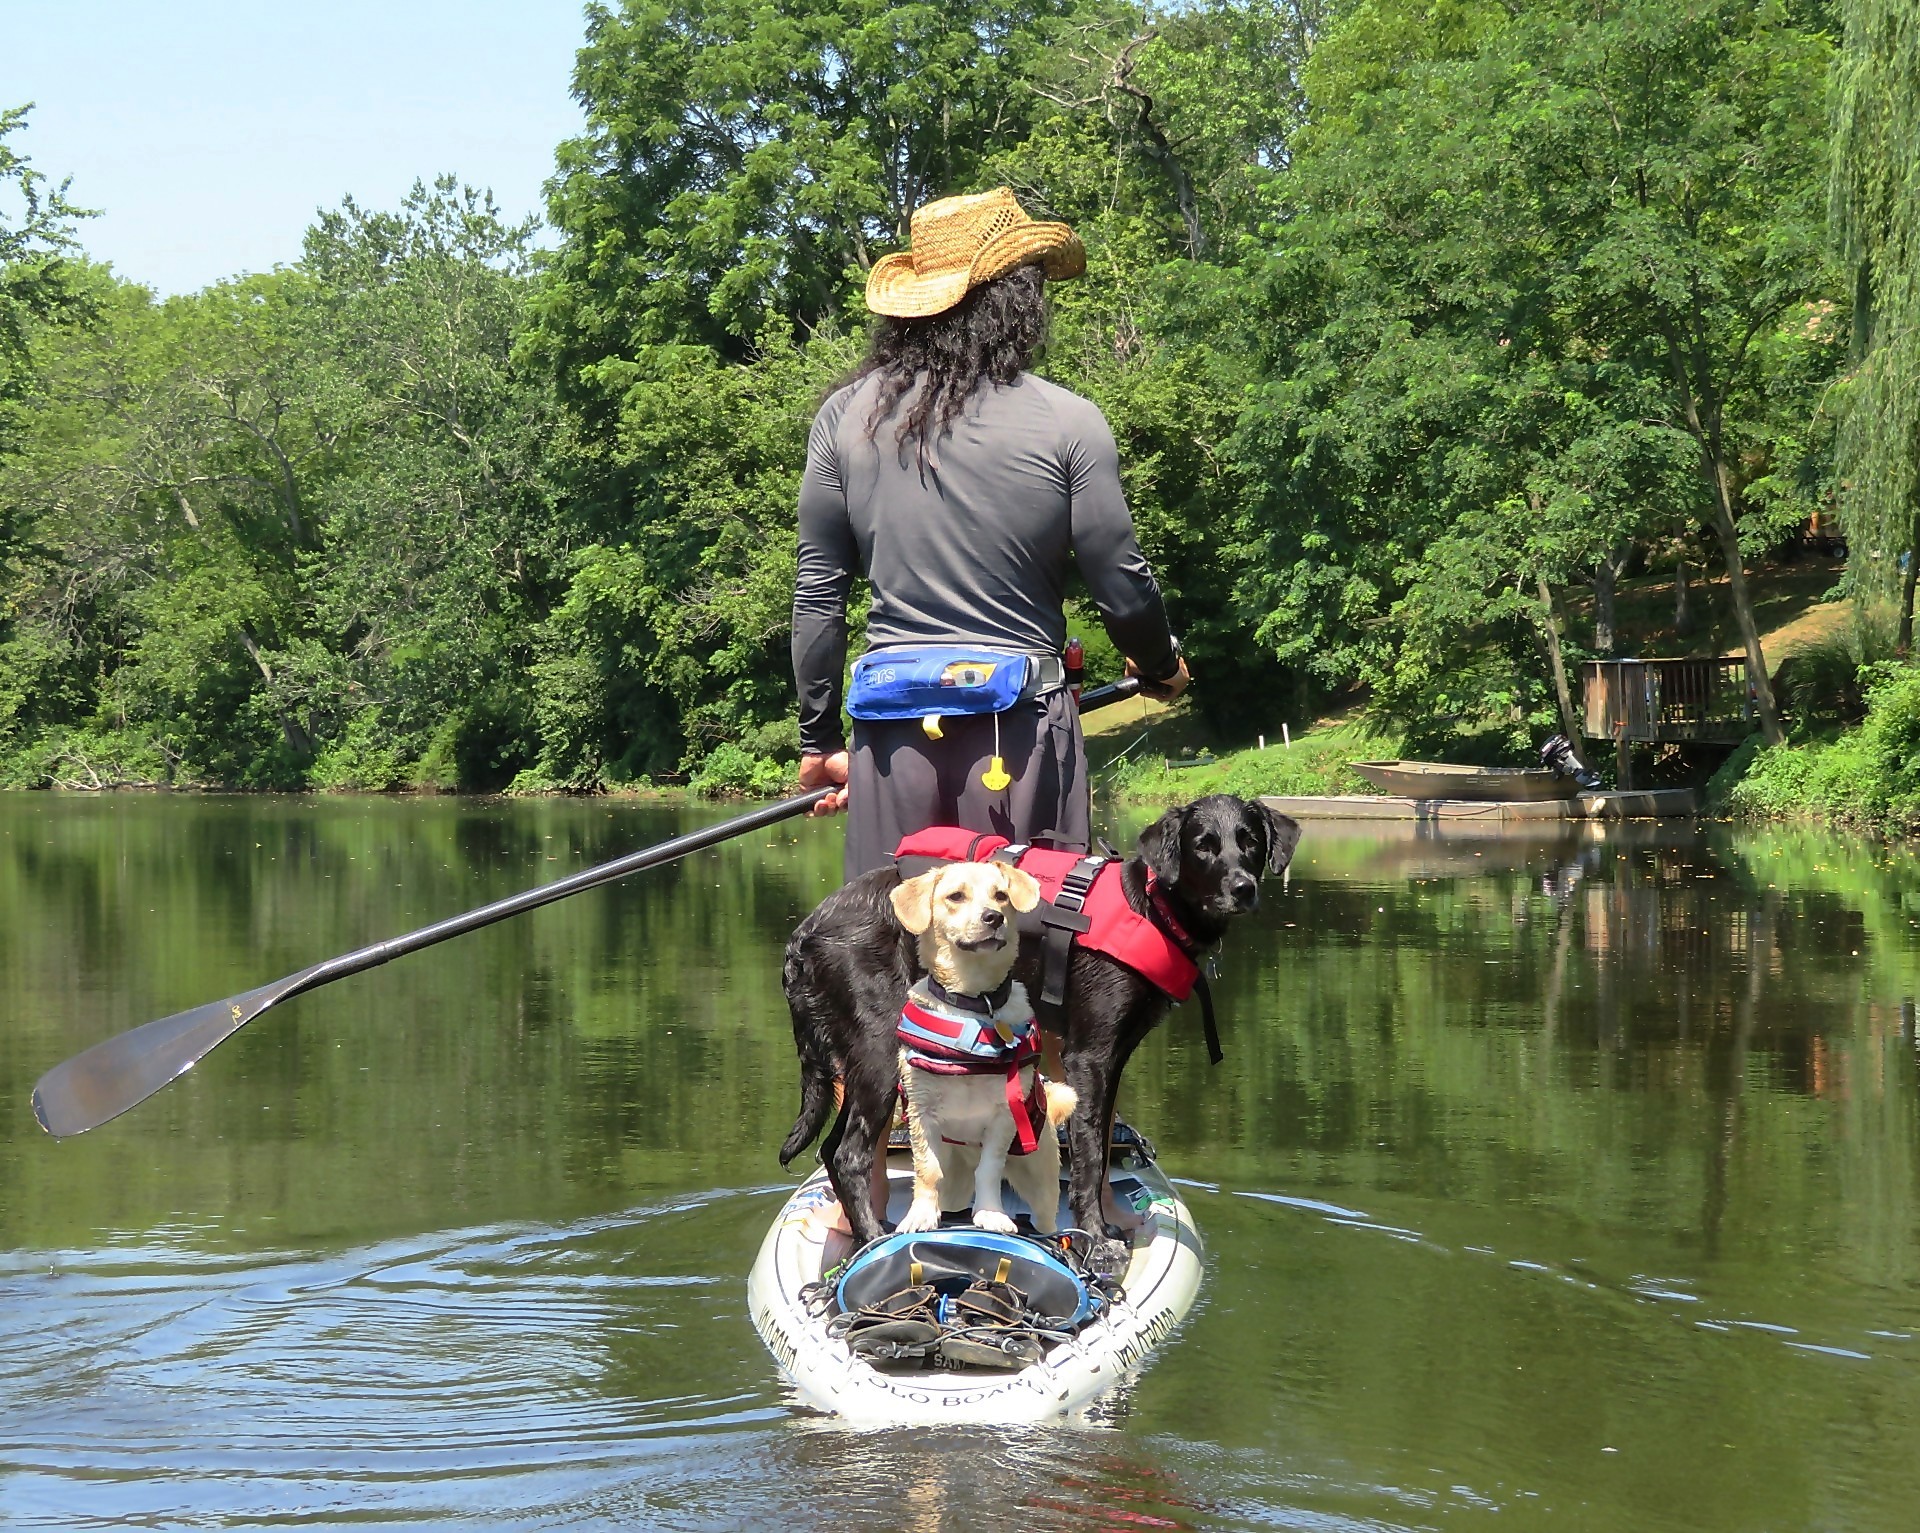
{"x":1573,"y":1176}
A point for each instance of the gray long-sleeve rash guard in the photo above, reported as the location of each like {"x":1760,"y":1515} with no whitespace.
{"x":977,"y":550}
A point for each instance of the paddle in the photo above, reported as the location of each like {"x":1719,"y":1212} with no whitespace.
{"x":89,"y":1089}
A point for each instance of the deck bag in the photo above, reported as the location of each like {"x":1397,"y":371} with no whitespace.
{"x":920,"y":681}
{"x":955,"y":1260}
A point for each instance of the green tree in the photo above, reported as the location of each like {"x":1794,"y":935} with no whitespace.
{"x":743,"y":163}
{"x":36,"y":237}
{"x":160,"y":556}
{"x":442,"y":538}
{"x":1535,"y":250}
{"x":1166,"y":147}
{"x":294,"y":528}
{"x":672,"y":638}
{"x":1876,"y":220}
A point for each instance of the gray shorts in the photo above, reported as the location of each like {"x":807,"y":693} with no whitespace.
{"x":899,"y":781}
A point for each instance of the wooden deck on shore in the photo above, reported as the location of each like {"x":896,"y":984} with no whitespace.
{"x":1655,"y":804}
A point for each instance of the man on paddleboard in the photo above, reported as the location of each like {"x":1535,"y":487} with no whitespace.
{"x":961,"y":486}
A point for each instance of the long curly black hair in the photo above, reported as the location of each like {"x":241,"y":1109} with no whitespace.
{"x":992,"y":335}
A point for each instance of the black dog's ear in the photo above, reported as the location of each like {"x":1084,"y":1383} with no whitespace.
{"x":1160,"y":844}
{"x":1283,"y":835}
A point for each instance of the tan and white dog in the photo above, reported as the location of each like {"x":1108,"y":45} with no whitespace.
{"x":962,"y":1126}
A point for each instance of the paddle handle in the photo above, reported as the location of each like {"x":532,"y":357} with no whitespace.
{"x":1113,"y":692}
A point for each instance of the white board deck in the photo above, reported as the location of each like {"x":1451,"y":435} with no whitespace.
{"x":1161,"y":1281}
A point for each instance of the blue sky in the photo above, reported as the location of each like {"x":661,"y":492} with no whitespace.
{"x":208,"y":132}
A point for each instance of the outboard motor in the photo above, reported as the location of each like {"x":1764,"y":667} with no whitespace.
{"x":1558,"y":755}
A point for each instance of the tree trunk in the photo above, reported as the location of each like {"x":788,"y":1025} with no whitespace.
{"x":1563,"y":694}
{"x":1903,"y":644}
{"x":1701,"y":407}
{"x":1758,"y":682}
{"x":1682,"y":599}
{"x":1159,"y":148}
{"x":1606,"y":575}
{"x":297,"y":737}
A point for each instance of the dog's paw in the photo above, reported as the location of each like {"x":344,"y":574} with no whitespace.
{"x":918,"y":1220}
{"x":1109,"y":1258}
{"x":992,"y":1219}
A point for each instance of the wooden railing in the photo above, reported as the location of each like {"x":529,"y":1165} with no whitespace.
{"x":1668,"y":699}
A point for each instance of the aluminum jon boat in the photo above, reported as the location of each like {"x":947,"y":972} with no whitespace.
{"x":1160,"y":1282}
{"x":1438,"y":779}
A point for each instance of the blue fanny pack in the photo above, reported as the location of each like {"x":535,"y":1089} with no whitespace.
{"x":939,"y":680}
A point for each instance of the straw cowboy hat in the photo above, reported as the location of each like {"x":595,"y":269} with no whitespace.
{"x":959,"y":243}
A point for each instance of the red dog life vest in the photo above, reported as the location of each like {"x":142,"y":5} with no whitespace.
{"x":1116,"y":929}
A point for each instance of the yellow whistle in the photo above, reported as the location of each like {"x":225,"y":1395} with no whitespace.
{"x":931,"y":724}
{"x":995,"y":777}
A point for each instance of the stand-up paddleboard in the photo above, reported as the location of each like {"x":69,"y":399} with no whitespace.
{"x":1160,"y":1282}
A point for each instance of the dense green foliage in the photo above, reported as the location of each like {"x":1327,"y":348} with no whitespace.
{"x":1553,"y":290}
{"x":35,"y":286}
{"x":1410,"y":319}
{"x":297,"y":528}
{"x":1876,"y":215}
{"x":1868,"y":778}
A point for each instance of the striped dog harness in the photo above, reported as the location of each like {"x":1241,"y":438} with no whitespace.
{"x":948,"y":1034}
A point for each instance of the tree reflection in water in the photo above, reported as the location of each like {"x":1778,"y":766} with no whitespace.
{"x":1574,"y":1172}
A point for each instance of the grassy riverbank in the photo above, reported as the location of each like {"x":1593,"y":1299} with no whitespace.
{"x":1866,"y":777}
{"x":1163,"y":765}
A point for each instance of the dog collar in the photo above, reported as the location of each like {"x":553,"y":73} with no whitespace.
{"x":1160,"y":910}
{"x":983,"y":1005}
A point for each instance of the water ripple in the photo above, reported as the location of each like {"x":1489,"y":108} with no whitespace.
{"x":1638,"y":1287}
{"x":452,"y":1357}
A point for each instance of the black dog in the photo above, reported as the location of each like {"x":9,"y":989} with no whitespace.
{"x":850,"y":963}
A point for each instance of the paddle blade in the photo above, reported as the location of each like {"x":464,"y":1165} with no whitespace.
{"x":91,"y":1088}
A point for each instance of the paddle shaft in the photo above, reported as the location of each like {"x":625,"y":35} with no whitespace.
{"x":634,"y":862}
{"x":1113,"y":692}
{"x":610,"y":872}
{"x":588,"y":878}
{"x":123,"y":1071}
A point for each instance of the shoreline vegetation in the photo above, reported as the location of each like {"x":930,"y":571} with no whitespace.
{"x":1862,"y":776}
{"x":1865,"y":777}
{"x":1444,"y":350}
{"x":1851,"y":760}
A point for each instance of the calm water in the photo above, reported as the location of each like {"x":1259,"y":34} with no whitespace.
{"x":1570,"y":1182}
